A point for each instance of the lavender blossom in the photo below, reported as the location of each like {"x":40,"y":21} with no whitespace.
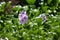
{"x":43,"y":16}
{"x":23,"y":18}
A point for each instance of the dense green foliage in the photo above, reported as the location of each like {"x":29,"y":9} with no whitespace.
{"x":34,"y":29}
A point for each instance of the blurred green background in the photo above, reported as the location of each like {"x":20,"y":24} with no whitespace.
{"x":34,"y":29}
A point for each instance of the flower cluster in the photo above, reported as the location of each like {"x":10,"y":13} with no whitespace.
{"x":23,"y":18}
{"x":43,"y":16}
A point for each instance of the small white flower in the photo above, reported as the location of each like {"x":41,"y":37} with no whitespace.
{"x":9,"y":1}
{"x":13,"y":25}
{"x":0,"y":5}
{"x":14,"y":32}
{"x":41,"y":3}
{"x":16,"y":6}
{"x":31,"y":24}
{"x":1,"y":21}
{"x":42,"y":0}
{"x":16,"y":11}
{"x":52,"y":15}
{"x":49,"y":11}
{"x":24,"y":33}
{"x":25,"y":7}
{"x":54,"y":33}
{"x":35,"y":23}
{"x":37,"y":17}
{"x":9,"y":21}
{"x":20,"y":6}
{"x":6,"y":38}
{"x":35,"y":10}
{"x":40,"y":36}
{"x":54,"y":11}
{"x":1,"y":39}
{"x":3,"y":3}
{"x":59,"y":6}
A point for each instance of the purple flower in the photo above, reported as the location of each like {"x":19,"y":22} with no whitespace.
{"x":23,"y":18}
{"x":43,"y":16}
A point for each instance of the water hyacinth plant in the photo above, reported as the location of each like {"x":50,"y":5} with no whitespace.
{"x":43,"y":16}
{"x":40,"y":22}
{"x":23,"y":18}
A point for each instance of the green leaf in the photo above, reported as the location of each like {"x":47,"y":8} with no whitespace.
{"x":49,"y":1}
{"x":31,"y":1}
